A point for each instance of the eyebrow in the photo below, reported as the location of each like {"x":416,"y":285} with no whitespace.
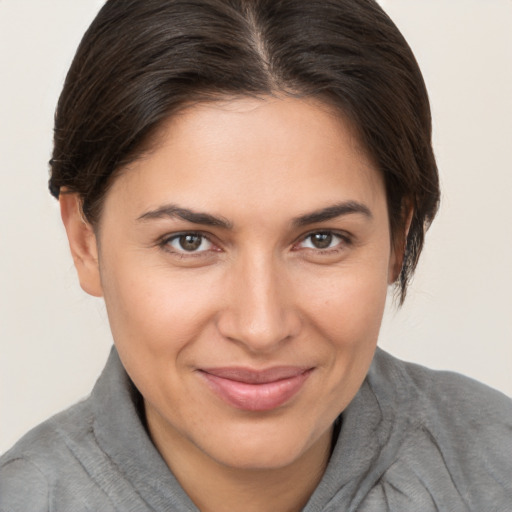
{"x":173,"y":211}
{"x":206,"y":219}
{"x":331,"y":212}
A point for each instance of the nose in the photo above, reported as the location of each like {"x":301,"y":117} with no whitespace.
{"x":259,"y":312}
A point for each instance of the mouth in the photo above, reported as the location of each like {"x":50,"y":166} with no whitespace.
{"x":253,"y":390}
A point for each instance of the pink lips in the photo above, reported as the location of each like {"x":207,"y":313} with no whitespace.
{"x":253,"y":390}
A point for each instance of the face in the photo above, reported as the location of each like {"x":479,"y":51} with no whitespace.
{"x":244,"y":265}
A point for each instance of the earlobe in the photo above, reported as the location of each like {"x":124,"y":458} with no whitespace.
{"x":82,"y":243}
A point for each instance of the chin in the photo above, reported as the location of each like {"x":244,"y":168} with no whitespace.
{"x":262,"y":446}
{"x":259,"y":458}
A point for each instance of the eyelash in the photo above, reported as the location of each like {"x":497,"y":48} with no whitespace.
{"x":343,"y":240}
{"x":164,"y":243}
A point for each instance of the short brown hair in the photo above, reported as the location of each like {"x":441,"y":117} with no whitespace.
{"x":141,"y":60}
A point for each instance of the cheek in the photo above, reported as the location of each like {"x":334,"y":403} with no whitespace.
{"x":152,"y":309}
{"x":347,"y":306}
{"x":346,"y":312}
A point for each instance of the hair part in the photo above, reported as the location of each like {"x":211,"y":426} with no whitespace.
{"x":141,"y":61}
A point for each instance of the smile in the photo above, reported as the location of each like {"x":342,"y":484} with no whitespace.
{"x":252,"y":390}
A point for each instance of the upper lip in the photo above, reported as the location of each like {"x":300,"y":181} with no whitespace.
{"x":253,"y":376}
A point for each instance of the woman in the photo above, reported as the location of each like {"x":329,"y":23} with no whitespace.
{"x":242,"y":181}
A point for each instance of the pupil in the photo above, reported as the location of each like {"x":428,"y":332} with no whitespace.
{"x":190,"y":242}
{"x":321,"y":240}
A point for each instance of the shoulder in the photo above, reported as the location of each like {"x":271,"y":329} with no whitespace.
{"x":50,"y":442}
{"x":443,"y":396}
{"x":15,"y":474}
{"x":41,"y":457}
{"x":457,"y":434}
{"x":82,"y":458}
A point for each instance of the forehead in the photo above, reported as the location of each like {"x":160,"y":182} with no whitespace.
{"x":270,"y":152}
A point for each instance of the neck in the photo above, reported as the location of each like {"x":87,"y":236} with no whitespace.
{"x":215,"y":487}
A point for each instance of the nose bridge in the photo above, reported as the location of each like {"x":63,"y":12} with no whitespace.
{"x":260,"y":313}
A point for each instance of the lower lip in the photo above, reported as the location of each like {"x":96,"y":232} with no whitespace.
{"x":256,"y":397}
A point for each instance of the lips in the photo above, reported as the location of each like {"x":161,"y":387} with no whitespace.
{"x":254,"y":390}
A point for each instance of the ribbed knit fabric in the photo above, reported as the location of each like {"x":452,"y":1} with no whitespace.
{"x":411,"y":440}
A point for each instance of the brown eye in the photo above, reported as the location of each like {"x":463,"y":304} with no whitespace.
{"x":189,"y":242}
{"x":321,"y":240}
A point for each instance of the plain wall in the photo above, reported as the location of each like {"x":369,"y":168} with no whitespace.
{"x":54,"y":339}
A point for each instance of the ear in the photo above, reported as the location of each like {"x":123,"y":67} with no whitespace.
{"x":82,"y":242}
{"x":398,"y":247}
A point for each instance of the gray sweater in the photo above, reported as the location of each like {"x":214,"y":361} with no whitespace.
{"x":412,"y":440}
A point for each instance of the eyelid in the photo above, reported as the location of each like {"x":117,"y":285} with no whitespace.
{"x":345,"y":238}
{"x":164,"y":243}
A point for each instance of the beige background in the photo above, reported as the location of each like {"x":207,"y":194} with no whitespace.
{"x":54,"y":339}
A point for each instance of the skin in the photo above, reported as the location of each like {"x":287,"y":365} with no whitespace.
{"x":256,"y":293}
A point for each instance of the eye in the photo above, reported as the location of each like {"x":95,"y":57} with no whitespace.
{"x":322,"y":240}
{"x":188,"y":243}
